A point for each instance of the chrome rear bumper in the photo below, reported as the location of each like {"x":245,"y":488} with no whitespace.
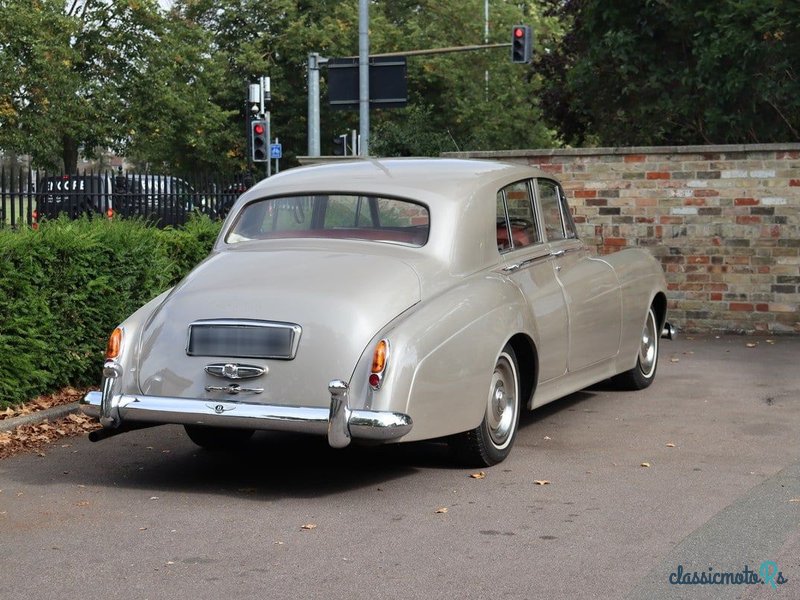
{"x":338,"y":422}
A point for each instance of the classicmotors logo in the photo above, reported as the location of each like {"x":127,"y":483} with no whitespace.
{"x":767,"y":574}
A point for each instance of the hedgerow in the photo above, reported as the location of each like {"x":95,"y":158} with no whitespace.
{"x":65,"y":286}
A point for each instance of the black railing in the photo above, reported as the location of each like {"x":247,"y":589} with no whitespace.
{"x":28,"y":198}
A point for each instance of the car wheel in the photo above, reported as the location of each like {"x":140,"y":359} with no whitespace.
{"x":217,"y":438}
{"x":642,"y":375}
{"x":490,"y":442}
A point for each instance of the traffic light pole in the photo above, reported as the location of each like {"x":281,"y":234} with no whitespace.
{"x":363,"y":76}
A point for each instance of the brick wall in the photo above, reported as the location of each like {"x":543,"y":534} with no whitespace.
{"x":723,"y":220}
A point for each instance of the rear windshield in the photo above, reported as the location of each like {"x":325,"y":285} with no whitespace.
{"x":341,"y":216}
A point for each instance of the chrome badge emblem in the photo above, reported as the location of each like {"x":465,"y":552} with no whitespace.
{"x":235,"y":370}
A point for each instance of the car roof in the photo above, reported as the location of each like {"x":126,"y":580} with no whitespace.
{"x":417,"y":177}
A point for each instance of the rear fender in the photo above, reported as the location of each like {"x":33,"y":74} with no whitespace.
{"x":442,"y":354}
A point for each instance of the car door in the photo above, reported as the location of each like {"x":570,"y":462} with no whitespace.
{"x":527,"y":262}
{"x":591,"y":288}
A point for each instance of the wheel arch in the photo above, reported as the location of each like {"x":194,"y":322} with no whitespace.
{"x":527,"y":365}
{"x":659,"y":305}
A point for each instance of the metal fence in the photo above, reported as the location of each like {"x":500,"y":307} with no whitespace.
{"x":29,"y":197}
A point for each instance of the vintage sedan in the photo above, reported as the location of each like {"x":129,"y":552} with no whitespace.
{"x":386,"y":301}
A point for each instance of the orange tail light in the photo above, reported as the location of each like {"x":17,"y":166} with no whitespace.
{"x":114,"y":346}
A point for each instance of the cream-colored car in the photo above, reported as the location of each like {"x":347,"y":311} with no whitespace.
{"x":386,"y":301}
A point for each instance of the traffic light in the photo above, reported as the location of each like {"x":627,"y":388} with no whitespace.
{"x":259,"y":141}
{"x":521,"y":44}
{"x":340,"y":145}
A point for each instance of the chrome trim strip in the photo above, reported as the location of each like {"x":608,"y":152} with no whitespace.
{"x":525,"y":263}
{"x":361,"y":424}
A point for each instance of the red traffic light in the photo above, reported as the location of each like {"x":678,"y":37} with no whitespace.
{"x":519,"y":32}
{"x":258,"y":128}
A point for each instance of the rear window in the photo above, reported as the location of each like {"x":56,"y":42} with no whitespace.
{"x":340,"y":216}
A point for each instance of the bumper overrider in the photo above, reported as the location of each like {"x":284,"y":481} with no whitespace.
{"x":124,"y":412}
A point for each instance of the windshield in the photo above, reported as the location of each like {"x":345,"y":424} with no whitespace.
{"x":341,"y":216}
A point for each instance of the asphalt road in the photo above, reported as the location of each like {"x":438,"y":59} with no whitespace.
{"x":148,"y":515}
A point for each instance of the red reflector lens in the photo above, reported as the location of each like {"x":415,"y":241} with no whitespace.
{"x":374,"y":380}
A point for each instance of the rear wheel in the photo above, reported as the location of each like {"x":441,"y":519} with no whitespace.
{"x":642,"y":375}
{"x":490,"y":442}
{"x":217,"y":438}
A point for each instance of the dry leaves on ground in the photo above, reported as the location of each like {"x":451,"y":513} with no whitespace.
{"x":65,"y":396}
{"x":541,"y":482}
{"x":479,"y":475}
{"x":32,"y":438}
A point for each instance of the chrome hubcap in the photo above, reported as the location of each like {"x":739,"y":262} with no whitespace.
{"x":501,"y":410}
{"x":648,"y":351}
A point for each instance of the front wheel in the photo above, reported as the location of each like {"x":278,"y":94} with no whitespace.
{"x":490,"y":442}
{"x":217,"y":438}
{"x":643,"y":374}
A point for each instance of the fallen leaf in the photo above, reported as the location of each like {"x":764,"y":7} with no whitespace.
{"x":170,"y":562}
{"x":795,"y":500}
{"x":441,"y":510}
{"x":83,"y":503}
{"x":670,"y":445}
{"x":154,"y":498}
{"x":645,"y":464}
{"x":309,"y":526}
{"x":547,"y":437}
{"x":674,"y":359}
{"x":142,"y":528}
{"x":278,"y":543}
{"x":480,"y":475}
{"x":541,"y":482}
{"x":751,"y":344}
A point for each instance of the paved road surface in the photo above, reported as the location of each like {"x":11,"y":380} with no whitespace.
{"x":148,"y":515}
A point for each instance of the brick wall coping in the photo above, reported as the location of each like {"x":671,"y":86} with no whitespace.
{"x":722,"y":148}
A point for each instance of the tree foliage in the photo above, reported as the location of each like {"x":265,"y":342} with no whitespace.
{"x":675,"y":72}
{"x":168,"y":88}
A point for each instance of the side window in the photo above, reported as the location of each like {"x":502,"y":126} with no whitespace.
{"x":516,"y":224}
{"x":550,"y":201}
{"x":569,"y":223}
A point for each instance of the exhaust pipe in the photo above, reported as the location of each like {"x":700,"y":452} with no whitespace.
{"x":99,"y":435}
{"x":669,"y":331}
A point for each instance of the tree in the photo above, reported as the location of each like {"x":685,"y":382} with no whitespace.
{"x":448,"y":91}
{"x":97,"y":74}
{"x":675,"y":72}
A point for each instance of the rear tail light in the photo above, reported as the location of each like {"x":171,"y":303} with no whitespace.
{"x":114,"y":346}
{"x":380,"y":359}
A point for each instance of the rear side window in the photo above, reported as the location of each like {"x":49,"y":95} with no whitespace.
{"x":558,"y":221}
{"x":516,"y":223}
{"x":341,"y":216}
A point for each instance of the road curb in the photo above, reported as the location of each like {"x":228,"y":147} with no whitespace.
{"x":39,"y":416}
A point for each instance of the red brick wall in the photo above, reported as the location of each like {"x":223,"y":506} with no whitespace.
{"x":723,"y":220}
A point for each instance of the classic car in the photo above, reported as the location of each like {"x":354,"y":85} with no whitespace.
{"x":386,"y":301}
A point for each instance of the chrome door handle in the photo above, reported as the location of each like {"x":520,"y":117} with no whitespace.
{"x":558,"y":253}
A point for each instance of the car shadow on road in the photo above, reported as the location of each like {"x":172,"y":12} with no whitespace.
{"x":271,"y":466}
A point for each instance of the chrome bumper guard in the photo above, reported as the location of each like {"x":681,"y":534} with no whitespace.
{"x":669,"y":332}
{"x":339,"y":422}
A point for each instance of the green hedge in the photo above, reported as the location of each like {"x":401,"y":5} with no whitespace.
{"x":65,"y":286}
